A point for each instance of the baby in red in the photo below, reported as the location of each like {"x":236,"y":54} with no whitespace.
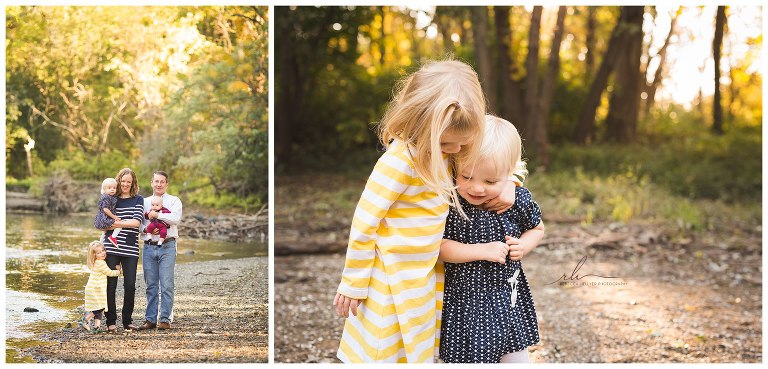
{"x":157,"y":205}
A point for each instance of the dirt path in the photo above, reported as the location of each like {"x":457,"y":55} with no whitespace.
{"x":220,"y":315}
{"x":676,"y":299}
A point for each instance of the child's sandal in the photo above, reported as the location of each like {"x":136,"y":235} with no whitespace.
{"x":85,"y":324}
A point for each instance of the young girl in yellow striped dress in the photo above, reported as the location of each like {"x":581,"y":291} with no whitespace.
{"x":390,"y":282}
{"x":96,"y":289}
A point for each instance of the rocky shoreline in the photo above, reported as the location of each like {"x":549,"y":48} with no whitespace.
{"x":221,"y":315}
{"x":223,"y":227}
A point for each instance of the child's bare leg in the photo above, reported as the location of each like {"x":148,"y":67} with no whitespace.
{"x":89,"y":316}
{"x":516,"y":357}
{"x":96,"y":323}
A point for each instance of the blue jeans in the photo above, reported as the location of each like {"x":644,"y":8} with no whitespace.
{"x":158,"y":263}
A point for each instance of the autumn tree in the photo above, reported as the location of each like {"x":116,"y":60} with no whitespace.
{"x":624,"y":41}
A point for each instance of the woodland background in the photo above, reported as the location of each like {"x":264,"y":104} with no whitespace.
{"x":642,"y":130}
{"x":90,"y":90}
{"x":602,"y":105}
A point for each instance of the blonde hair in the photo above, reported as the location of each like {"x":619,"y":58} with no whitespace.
{"x":107,"y":182}
{"x":503,"y":147}
{"x":92,"y":248}
{"x":441,"y":97}
{"x":156,"y":198}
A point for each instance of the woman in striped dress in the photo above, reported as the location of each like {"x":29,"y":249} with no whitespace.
{"x":130,"y":209}
{"x":96,"y":289}
{"x":390,"y":283}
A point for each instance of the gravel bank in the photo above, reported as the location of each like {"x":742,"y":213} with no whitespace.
{"x":220,"y":315}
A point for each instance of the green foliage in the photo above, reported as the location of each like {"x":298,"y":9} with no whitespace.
{"x":683,"y":158}
{"x":627,"y":198}
{"x":31,"y":185}
{"x":96,"y":167}
{"x":182,"y":89}
{"x":207,"y":197}
{"x":218,"y":117}
{"x":350,"y":118}
{"x":329,"y":90}
{"x":87,"y":77}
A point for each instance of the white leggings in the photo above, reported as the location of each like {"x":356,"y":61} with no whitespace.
{"x":516,"y":357}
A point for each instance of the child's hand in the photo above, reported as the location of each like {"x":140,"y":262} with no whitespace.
{"x":496,"y":252}
{"x":118,"y":267}
{"x":516,"y":250}
{"x":343,"y":304}
{"x":503,"y":202}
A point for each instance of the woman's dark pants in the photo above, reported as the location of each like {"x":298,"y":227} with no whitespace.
{"x":129,"y":265}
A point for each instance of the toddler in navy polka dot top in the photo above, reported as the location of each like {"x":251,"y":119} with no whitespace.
{"x":488,"y":311}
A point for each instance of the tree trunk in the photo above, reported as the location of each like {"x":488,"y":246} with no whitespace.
{"x":733,"y":95}
{"x":379,"y":43}
{"x":651,"y":87}
{"x":29,"y":162}
{"x":289,"y":91}
{"x":483,"y":55}
{"x":548,"y":92}
{"x":585,"y":131}
{"x":444,"y":26}
{"x":621,"y":123}
{"x":510,"y":100}
{"x":589,"y":58}
{"x":717,"y":43}
{"x":532,"y":78}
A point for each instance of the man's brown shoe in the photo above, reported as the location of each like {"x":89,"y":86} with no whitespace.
{"x":163,"y":325}
{"x":147,"y":325}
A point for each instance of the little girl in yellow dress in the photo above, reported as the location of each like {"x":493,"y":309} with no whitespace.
{"x":96,"y":289}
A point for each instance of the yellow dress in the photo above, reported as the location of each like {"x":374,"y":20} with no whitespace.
{"x":96,"y":289}
{"x":391,"y":265}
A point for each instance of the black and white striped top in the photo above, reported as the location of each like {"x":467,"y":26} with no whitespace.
{"x":128,"y":238}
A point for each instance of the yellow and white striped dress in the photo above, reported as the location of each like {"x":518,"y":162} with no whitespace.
{"x":96,"y":289}
{"x":391,"y":265}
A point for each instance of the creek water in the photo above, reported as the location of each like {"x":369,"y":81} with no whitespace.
{"x":45,"y":270}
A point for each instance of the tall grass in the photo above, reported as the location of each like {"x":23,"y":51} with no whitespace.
{"x":690,"y":163}
{"x":678,"y":172}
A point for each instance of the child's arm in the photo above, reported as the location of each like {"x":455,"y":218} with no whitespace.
{"x":519,"y":247}
{"x":111,"y":214}
{"x":457,"y":252}
{"x":389,"y":179}
{"x":103,"y":268}
{"x":129,"y":223}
